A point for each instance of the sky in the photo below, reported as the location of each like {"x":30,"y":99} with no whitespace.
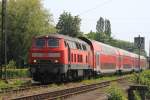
{"x":129,"y":18}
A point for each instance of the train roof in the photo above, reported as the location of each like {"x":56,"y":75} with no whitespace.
{"x":56,"y":35}
{"x":121,"y":51}
{"x":99,"y":46}
{"x":94,"y":44}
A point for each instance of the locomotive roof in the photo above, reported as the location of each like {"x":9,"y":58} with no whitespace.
{"x":56,"y":35}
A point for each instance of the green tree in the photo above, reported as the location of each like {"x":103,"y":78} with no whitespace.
{"x":103,"y":34}
{"x":68,"y":24}
{"x":100,"y":25}
{"x":91,"y":35}
{"x":0,"y":17}
{"x":107,"y":28}
{"x":103,"y":30}
{"x":25,"y":19}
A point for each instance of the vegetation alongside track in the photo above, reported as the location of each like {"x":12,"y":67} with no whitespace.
{"x":14,"y":78}
{"x":115,"y":92}
{"x":99,"y":79}
{"x":16,"y":73}
{"x":142,"y":78}
{"x":16,"y":83}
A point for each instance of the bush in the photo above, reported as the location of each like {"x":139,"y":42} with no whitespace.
{"x":11,"y":64}
{"x":12,"y":84}
{"x":115,"y":93}
{"x":16,"y":73}
{"x":144,"y":79}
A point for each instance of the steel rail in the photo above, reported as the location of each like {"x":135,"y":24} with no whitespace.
{"x":68,"y":92}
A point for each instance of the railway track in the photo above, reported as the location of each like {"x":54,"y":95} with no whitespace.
{"x":68,"y":92}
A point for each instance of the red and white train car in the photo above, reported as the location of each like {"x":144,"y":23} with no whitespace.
{"x":105,"y":58}
{"x":125,"y":60}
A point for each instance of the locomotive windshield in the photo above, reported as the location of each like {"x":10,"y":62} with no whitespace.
{"x":40,"y":43}
{"x":53,"y":42}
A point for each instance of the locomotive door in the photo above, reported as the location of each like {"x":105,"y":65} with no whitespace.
{"x":69,"y":55}
{"x":97,"y":56}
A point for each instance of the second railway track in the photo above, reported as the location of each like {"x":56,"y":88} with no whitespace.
{"x":59,"y":94}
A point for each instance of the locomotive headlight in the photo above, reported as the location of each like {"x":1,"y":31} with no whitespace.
{"x":56,"y":61}
{"x":34,"y":61}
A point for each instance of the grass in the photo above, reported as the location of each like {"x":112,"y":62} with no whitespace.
{"x":11,"y":83}
{"x":115,"y":92}
{"x":16,"y":83}
{"x":16,"y":73}
{"x":100,"y":79}
{"x":143,"y":78}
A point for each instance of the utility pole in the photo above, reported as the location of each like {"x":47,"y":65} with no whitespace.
{"x":4,"y":36}
{"x":149,"y":56}
{"x":139,"y":47}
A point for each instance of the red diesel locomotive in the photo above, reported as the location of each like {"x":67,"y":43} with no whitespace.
{"x":60,"y":57}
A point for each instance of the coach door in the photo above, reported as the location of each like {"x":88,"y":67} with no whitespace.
{"x":97,"y":61}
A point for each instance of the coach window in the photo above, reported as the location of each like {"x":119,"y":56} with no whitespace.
{"x":97,"y":58}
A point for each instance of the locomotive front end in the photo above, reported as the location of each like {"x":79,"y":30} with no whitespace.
{"x":46,"y":58}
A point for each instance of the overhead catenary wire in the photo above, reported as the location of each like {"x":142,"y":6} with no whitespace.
{"x":97,"y":6}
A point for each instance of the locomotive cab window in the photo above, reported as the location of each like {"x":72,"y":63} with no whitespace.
{"x":40,"y":43}
{"x":53,"y":42}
